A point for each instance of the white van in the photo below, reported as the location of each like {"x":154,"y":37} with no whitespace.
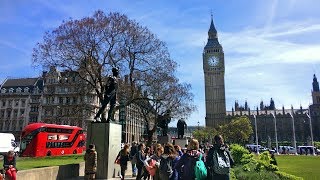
{"x":7,"y":143}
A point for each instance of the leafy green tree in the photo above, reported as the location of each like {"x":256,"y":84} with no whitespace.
{"x":237,"y":131}
{"x":204,"y":134}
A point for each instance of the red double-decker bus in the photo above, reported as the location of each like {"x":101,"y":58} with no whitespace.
{"x":40,"y":139}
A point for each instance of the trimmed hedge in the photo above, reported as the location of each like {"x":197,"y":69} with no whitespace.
{"x":286,"y":176}
{"x":248,"y":167}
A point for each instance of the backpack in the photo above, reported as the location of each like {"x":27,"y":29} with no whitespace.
{"x":200,"y":169}
{"x":221,"y":162}
{"x":165,"y":168}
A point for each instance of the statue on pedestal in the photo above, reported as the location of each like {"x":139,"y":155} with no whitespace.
{"x":110,"y":95}
{"x":181,"y":125}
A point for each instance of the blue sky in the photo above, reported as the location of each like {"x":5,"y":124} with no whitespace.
{"x":272,"y":48}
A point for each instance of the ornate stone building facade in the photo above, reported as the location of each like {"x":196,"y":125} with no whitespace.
{"x":269,"y":119}
{"x":63,"y":101}
{"x":213,"y":67}
{"x":57,"y":97}
{"x":20,"y":103}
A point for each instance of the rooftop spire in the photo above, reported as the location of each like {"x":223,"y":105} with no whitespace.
{"x":212,"y":30}
{"x":315,"y":84}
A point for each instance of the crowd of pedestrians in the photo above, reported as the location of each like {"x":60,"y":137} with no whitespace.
{"x":169,"y":162}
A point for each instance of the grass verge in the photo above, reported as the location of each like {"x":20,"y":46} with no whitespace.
{"x":24,"y":163}
{"x":306,"y":167}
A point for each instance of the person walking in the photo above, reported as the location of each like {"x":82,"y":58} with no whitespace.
{"x":90,"y":159}
{"x":146,"y":174}
{"x":140,"y":160}
{"x":123,"y":157}
{"x":219,"y":160}
{"x":153,"y":163}
{"x":133,"y":157}
{"x":188,"y":160}
{"x":9,"y":165}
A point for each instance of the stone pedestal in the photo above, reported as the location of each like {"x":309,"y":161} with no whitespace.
{"x":107,"y":139}
{"x":164,"y":139}
{"x":180,"y":142}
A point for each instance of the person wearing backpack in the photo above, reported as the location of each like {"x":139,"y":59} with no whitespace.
{"x":166,"y":168}
{"x":192,"y":163}
{"x":219,"y":160}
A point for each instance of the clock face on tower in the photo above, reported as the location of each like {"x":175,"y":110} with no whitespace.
{"x":213,"y":61}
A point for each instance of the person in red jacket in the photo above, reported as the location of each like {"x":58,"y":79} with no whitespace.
{"x":9,"y":164}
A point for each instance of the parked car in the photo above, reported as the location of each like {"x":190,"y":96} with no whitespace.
{"x":306,"y":149}
{"x":287,"y":150}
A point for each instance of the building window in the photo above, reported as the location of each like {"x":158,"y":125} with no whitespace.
{"x":26,"y":90}
{"x":18,"y":90}
{"x":2,"y":114}
{"x":15,"y":113}
{"x":3,"y":90}
{"x":8,"y":114}
{"x":10,"y":103}
{"x":23,"y":103}
{"x":16,"y":102}
{"x":74,"y":100}
{"x":22,"y":112}
{"x":60,"y":100}
{"x":11,"y":90}
{"x":67,"y":100}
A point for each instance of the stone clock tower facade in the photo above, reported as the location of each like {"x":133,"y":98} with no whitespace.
{"x":213,"y":67}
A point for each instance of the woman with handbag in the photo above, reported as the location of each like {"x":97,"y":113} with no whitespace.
{"x":122,"y":159}
{"x":9,"y":164}
{"x":152,"y":164}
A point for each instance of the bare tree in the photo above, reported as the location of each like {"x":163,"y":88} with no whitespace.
{"x":93,"y":45}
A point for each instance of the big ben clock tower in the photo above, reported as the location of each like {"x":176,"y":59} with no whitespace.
{"x":213,"y":67}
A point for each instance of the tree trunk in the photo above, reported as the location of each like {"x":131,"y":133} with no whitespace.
{"x":150,"y":135}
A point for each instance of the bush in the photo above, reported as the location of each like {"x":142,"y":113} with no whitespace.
{"x":247,"y":172}
{"x":238,"y":153}
{"x":286,"y":176}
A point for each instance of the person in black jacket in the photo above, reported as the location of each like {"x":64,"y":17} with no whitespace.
{"x":219,"y":160}
{"x":9,"y":164}
{"x":140,"y":160}
{"x":123,"y":156}
{"x":133,"y":158}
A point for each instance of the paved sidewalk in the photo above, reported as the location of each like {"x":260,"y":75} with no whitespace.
{"x":128,"y":174}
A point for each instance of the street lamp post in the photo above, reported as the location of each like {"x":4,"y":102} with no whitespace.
{"x":256,"y":129}
{"x":275,"y":130}
{"x":294,"y":134}
{"x":311,"y":133}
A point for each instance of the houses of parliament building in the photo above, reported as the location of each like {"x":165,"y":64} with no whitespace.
{"x":266,"y":115}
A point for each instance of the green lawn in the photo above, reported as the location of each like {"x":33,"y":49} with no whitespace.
{"x":306,"y":167}
{"x":29,"y":163}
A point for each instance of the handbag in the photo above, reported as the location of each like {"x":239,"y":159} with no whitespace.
{"x":117,"y":161}
{"x":152,"y":168}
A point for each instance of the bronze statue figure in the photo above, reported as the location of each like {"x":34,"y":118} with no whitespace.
{"x":110,"y":95}
{"x":181,"y":125}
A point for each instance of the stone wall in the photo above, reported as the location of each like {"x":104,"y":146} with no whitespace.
{"x":52,"y":173}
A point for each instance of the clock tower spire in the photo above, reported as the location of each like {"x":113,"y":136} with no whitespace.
{"x":213,"y":67}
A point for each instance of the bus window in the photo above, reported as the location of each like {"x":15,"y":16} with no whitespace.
{"x":63,"y":137}
{"x":52,"y":137}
